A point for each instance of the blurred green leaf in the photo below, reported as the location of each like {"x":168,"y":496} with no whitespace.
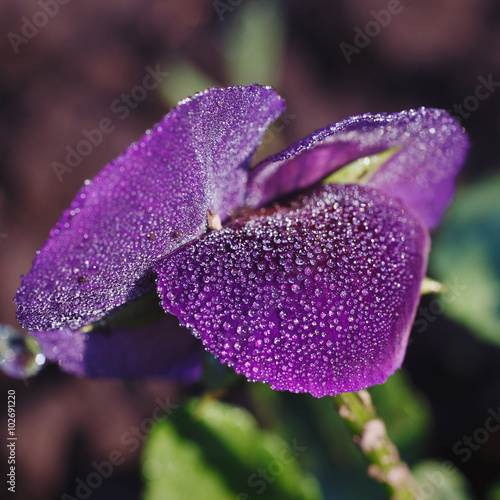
{"x":254,"y":42}
{"x":211,"y":450}
{"x":183,"y":80}
{"x":331,"y":454}
{"x":216,"y":375}
{"x":440,"y":481}
{"x":494,"y":492}
{"x":466,"y":258}
{"x":405,"y":412}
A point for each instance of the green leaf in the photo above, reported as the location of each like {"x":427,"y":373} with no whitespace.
{"x":405,"y":412}
{"x":331,"y":453}
{"x":466,"y":258}
{"x":183,"y":80}
{"x":253,"y":43}
{"x":494,"y":492}
{"x":212,"y":450}
{"x":440,"y":481}
{"x":216,"y":375}
{"x":361,"y":170}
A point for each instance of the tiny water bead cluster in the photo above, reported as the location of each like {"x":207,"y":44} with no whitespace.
{"x":333,"y":276}
{"x":309,"y":287}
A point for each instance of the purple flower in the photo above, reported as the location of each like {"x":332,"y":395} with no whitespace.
{"x":309,"y":287}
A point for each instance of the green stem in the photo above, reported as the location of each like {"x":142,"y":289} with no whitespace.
{"x":370,"y":434}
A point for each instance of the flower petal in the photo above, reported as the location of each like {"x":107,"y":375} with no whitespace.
{"x":314,"y":298}
{"x":160,"y":349}
{"x":146,"y":203}
{"x":422,"y":173}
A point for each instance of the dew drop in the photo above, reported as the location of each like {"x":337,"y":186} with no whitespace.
{"x":20,"y":354}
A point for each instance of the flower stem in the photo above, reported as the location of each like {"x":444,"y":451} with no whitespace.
{"x":370,"y":434}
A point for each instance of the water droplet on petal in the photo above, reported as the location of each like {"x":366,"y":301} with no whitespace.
{"x":20,"y":354}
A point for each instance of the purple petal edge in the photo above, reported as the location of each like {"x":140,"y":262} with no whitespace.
{"x":317,"y":299}
{"x":422,"y":174}
{"x":149,"y":201}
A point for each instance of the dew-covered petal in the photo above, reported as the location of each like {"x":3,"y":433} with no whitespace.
{"x":146,"y":203}
{"x":160,"y":349}
{"x":317,"y":297}
{"x":422,"y":173}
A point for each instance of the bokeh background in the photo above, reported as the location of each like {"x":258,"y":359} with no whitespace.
{"x":74,"y":70}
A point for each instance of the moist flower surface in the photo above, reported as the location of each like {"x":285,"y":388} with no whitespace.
{"x":308,"y":286}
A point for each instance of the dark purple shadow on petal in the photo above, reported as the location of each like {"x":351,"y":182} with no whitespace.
{"x":316,"y":299}
{"x":422,"y":174}
{"x":161,"y":349}
{"x":298,"y":168}
{"x":149,"y":201}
